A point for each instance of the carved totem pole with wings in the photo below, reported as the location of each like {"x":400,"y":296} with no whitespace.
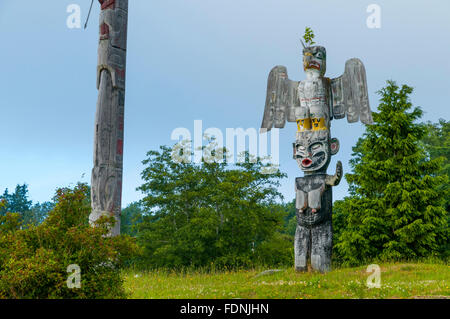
{"x":312,"y":104}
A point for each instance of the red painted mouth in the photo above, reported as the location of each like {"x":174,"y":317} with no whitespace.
{"x":314,"y":65}
{"x":306,"y":162}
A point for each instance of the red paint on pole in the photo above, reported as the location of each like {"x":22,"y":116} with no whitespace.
{"x":120,"y":147}
{"x":108,"y":4}
{"x":120,"y":73}
{"x":104,"y":31}
{"x":121,"y":123}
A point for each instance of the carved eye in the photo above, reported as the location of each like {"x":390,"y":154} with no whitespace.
{"x":315,"y":147}
{"x":301,"y":148}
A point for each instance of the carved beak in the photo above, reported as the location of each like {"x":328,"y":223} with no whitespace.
{"x":304,"y":47}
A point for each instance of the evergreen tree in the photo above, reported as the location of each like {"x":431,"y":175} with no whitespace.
{"x":437,"y":144}
{"x":395,"y":209}
{"x":16,"y":202}
{"x":19,"y":203}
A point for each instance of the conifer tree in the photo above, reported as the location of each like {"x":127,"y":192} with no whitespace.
{"x":395,"y":209}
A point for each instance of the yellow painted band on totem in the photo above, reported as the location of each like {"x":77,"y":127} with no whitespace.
{"x":303,"y":124}
{"x":318,"y":124}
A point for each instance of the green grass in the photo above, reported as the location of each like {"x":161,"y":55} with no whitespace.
{"x":398,"y":280}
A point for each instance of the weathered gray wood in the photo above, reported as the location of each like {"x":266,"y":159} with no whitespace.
{"x":357,"y":84}
{"x":337,"y":102}
{"x":350,"y":95}
{"x":313,"y":236}
{"x":280,"y":99}
{"x":313,"y":103}
{"x":106,"y":180}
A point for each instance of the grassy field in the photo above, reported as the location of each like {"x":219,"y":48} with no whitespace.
{"x":398,"y":280}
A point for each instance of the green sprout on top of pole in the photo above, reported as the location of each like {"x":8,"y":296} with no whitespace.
{"x":309,"y":36}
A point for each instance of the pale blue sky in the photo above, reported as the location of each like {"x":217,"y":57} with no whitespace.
{"x":196,"y":59}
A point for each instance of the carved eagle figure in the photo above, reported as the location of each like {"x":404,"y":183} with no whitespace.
{"x":315,"y":101}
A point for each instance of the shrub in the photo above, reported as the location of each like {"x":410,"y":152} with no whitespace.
{"x":34,"y":261}
{"x":276,"y":251}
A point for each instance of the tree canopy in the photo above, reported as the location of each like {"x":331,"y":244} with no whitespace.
{"x":198,"y":214}
{"x":18,"y":202}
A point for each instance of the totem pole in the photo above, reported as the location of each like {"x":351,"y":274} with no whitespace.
{"x":312,"y":104}
{"x":106,"y":181}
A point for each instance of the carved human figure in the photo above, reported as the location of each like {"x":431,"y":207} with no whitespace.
{"x":313,"y":237}
{"x":312,"y":104}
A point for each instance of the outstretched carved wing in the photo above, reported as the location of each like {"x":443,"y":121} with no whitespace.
{"x":349,"y":94}
{"x":280,"y":100}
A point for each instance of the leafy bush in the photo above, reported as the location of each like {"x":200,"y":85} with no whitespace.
{"x":276,"y":251}
{"x":34,"y":261}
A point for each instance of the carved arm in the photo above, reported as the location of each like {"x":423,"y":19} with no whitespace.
{"x":335,"y":179}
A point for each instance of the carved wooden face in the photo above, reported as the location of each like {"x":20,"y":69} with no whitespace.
{"x":315,"y":58}
{"x":313,"y":150}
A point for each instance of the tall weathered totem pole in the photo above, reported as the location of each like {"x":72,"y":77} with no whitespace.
{"x":313,"y":103}
{"x":106,"y":181}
